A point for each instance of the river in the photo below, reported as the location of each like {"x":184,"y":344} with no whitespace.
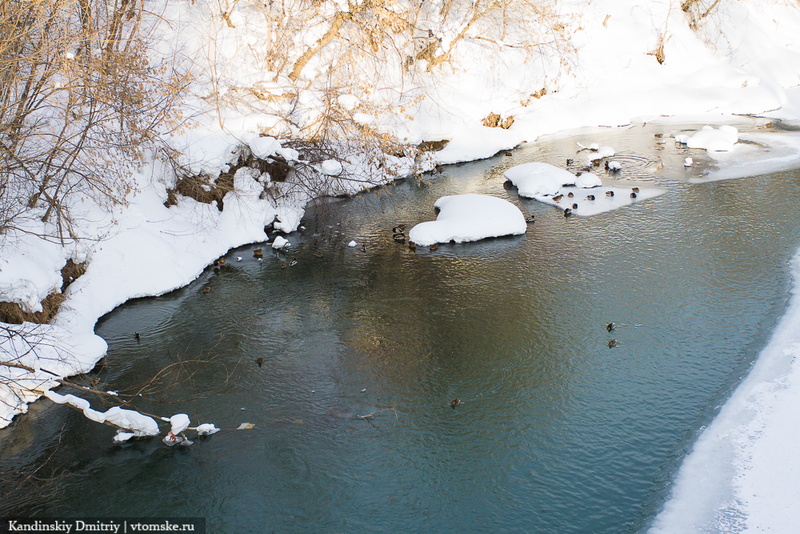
{"x":364,"y":350}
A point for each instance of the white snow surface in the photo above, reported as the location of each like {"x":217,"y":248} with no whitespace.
{"x":469,"y":217}
{"x":581,"y":195}
{"x":743,"y":59}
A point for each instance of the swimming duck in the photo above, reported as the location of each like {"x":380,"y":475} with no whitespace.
{"x":399,"y":238}
{"x":136,"y":336}
{"x":260,"y":361}
{"x":283,"y":265}
{"x":529,"y":219}
{"x":412,"y":245}
{"x":612,"y":343}
{"x":455,"y":402}
{"x":319,"y":254}
{"x":610,"y":326}
{"x":293,"y":262}
{"x":206,"y":289}
{"x":363,"y":248}
{"x":258,"y":253}
{"x":435,"y":246}
{"x":567,"y":212}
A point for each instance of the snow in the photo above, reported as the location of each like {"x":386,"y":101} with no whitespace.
{"x":206,"y":429}
{"x":581,"y":195}
{"x":720,"y":139}
{"x":178,"y":423}
{"x":281,"y":243}
{"x":532,"y":179}
{"x":469,"y":217}
{"x":131,"y":421}
{"x":740,"y":60}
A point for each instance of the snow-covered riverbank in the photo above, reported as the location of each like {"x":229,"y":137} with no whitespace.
{"x":739,"y":61}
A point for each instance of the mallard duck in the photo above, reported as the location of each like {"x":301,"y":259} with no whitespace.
{"x":635,"y":189}
{"x":557,"y":198}
{"x":455,"y":402}
{"x":589,"y":197}
{"x":574,"y":206}
{"x":399,"y":238}
{"x":283,"y":265}
{"x":258,"y":253}
{"x":609,"y":193}
{"x":399,"y":229}
{"x":567,"y":212}
{"x":293,"y":262}
{"x":260,"y":361}
{"x":570,"y":194}
{"x":633,"y":195}
{"x":206,"y":289}
{"x":610,"y":326}
{"x":136,"y":336}
{"x":529,"y":219}
{"x":435,"y":246}
{"x":612,"y":343}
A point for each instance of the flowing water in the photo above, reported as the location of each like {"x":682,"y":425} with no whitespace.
{"x":556,"y":432}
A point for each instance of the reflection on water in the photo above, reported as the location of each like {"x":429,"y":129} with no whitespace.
{"x":556,"y":431}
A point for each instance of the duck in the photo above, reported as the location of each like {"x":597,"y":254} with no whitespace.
{"x":206,"y":289}
{"x":529,"y":219}
{"x":258,"y":253}
{"x":412,"y":245}
{"x":221,"y":261}
{"x":283,"y":265}
{"x":363,"y":248}
{"x":634,"y":195}
{"x":435,"y":246}
{"x":589,"y":197}
{"x":635,"y":189}
{"x":611,"y":326}
{"x":567,"y":212}
{"x":558,"y":197}
{"x":399,"y":229}
{"x":399,"y":238}
{"x":260,"y":361}
{"x":612,"y":343}
{"x":319,"y":254}
{"x":570,"y":161}
{"x":570,"y":194}
{"x":455,"y":402}
{"x":238,"y":258}
{"x":609,"y":193}
{"x":137,"y":336}
{"x":574,"y":206}
{"x":293,"y":262}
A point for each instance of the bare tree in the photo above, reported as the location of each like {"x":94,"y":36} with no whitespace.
{"x":79,"y":101}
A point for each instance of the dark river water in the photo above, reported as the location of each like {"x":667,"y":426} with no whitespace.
{"x":556,"y":432}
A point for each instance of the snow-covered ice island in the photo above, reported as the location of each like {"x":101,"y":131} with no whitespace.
{"x":469,"y":217}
